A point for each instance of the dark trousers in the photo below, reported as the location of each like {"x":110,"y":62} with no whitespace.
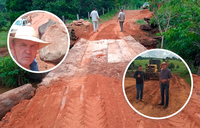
{"x":121,"y":25}
{"x":164,"y":87}
{"x":139,"y":91}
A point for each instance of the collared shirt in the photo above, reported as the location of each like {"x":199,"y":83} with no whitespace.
{"x":121,"y":16}
{"x":95,"y":16}
{"x":165,"y":74}
{"x":142,"y":77}
{"x":34,"y":66}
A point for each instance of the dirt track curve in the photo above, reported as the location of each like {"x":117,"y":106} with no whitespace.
{"x":86,"y":90}
{"x":178,"y":93}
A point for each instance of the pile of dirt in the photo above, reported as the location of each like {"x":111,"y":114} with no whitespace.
{"x":178,"y":94}
{"x":81,"y":22}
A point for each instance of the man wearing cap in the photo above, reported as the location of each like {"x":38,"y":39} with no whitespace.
{"x":121,"y":18}
{"x":95,"y":17}
{"x":140,"y":78}
{"x":24,"y":46}
{"x":165,"y":77}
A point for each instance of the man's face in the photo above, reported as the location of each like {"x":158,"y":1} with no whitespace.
{"x":164,"y":66}
{"x":25,"y":52}
{"x":140,"y":68}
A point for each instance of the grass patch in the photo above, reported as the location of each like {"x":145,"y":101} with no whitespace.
{"x":108,"y":16}
{"x":105,"y":17}
{"x":3,"y":38}
{"x":141,"y":21}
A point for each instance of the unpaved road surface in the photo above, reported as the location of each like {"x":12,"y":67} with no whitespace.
{"x":178,"y":94}
{"x":86,"y":91}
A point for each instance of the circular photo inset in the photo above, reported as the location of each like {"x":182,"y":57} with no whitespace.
{"x":157,"y":84}
{"x":38,"y":41}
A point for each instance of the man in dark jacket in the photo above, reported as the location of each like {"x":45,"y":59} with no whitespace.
{"x":165,"y":77}
{"x":140,"y":78}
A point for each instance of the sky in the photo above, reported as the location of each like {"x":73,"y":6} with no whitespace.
{"x":158,"y":54}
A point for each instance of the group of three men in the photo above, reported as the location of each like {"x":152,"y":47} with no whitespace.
{"x":165,"y":77}
{"x":95,"y":18}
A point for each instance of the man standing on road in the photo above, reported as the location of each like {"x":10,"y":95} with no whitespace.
{"x":165,"y":77}
{"x":121,"y":18}
{"x":95,"y":17}
{"x":140,"y":78}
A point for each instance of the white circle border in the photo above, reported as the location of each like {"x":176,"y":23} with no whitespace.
{"x":157,"y":118}
{"x":39,"y":11}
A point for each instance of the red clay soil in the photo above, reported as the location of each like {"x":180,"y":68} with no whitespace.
{"x":178,"y":94}
{"x":40,"y":18}
{"x":92,"y":101}
{"x":3,"y":51}
{"x":110,"y":29}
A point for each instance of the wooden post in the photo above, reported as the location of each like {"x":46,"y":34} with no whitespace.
{"x":124,"y":7}
{"x":63,"y":18}
{"x":77,"y":17}
{"x":108,"y":9}
{"x":103,"y":11}
{"x":89,"y":16}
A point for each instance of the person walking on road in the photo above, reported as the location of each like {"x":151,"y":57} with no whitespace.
{"x":95,"y":17}
{"x":140,"y":78}
{"x":165,"y":77}
{"x":121,"y":18}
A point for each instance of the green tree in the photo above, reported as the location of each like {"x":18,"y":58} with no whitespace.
{"x":17,"y":8}
{"x":177,"y":66}
{"x":179,"y":26}
{"x":171,"y":66}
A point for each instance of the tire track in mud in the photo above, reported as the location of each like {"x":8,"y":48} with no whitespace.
{"x":95,"y":114}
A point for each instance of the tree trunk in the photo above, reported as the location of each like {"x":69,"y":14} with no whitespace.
{"x":162,"y":42}
{"x":13,"y":97}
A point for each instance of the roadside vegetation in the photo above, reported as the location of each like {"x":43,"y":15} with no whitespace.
{"x":11,"y":75}
{"x":179,"y":26}
{"x":3,"y":38}
{"x":141,"y":21}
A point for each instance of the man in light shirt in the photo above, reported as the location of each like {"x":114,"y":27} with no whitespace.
{"x":95,"y":17}
{"x":121,"y":18}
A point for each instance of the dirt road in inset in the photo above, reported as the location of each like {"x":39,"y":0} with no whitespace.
{"x":178,"y":94}
{"x":86,"y":90}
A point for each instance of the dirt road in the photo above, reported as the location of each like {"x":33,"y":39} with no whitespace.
{"x":86,"y":90}
{"x":178,"y":92}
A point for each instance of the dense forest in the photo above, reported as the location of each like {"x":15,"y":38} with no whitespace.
{"x":67,"y":8}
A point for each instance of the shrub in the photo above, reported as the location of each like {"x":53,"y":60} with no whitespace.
{"x":11,"y":74}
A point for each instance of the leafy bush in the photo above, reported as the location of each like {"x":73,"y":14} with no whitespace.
{"x":10,"y":73}
{"x":171,"y":66}
{"x":141,"y":21}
